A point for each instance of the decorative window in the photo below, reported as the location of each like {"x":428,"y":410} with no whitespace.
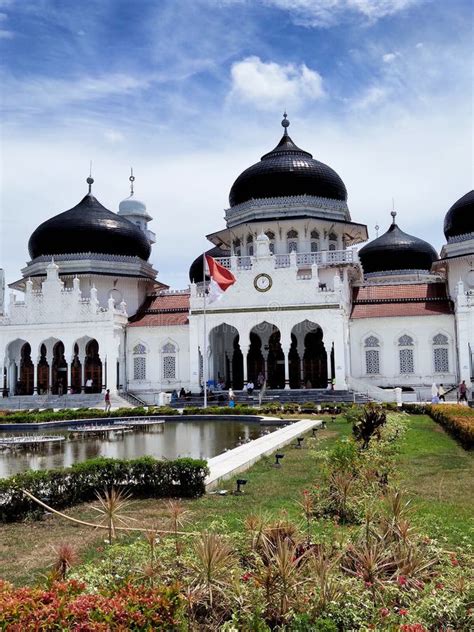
{"x":237,"y":247}
{"x":314,"y":246}
{"x":441,"y":353}
{"x":372,"y":357}
{"x":139,"y":349}
{"x":139,"y":368}
{"x":407,"y":364}
{"x":372,"y":341}
{"x":292,"y":237}
{"x":169,"y":367}
{"x":169,"y":361}
{"x":405,"y":341}
{"x":271,"y":236}
{"x":372,"y":362}
{"x":314,"y":234}
{"x":169,"y":348}
{"x":250,"y":245}
{"x":332,"y":241}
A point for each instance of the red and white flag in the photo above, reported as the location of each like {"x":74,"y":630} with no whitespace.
{"x":221,"y":279}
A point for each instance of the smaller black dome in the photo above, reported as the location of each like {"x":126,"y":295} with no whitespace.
{"x":459,"y":219}
{"x":196,"y":270}
{"x":89,"y":227}
{"x":396,"y":250}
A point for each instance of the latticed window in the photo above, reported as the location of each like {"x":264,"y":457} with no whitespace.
{"x":169,"y":367}
{"x":441,"y":354}
{"x":139,"y":368}
{"x":139,"y":349}
{"x":169,"y":348}
{"x":332,"y":241}
{"x":372,"y":362}
{"x":372,"y":357}
{"x":237,"y":247}
{"x":271,"y":236}
{"x":406,"y":356}
{"x":292,"y":237}
{"x":314,"y":246}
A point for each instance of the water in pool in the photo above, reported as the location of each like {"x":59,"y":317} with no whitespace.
{"x":197,"y":439}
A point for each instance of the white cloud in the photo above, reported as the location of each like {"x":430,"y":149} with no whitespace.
{"x":268,"y":84}
{"x":389,"y":57}
{"x":4,"y":34}
{"x":330,"y":12}
{"x":113,"y":136}
{"x":375,"y":95}
{"x":40,"y":93}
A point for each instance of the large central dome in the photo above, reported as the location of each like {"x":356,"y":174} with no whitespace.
{"x":287,"y":171}
{"x":89,"y":227}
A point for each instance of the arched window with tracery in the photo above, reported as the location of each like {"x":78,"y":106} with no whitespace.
{"x":332,"y":237}
{"x":372,"y":355}
{"x":169,"y":361}
{"x":292,"y":240}
{"x":271,"y":236}
{"x":237,"y":244}
{"x":406,"y":354}
{"x":250,"y":245}
{"x":441,"y":353}
{"x":314,"y":247}
{"x":139,"y":362}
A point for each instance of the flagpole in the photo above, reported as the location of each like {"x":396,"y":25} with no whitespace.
{"x":204,"y":354}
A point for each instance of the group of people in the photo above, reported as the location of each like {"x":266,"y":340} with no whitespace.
{"x":438,"y":393}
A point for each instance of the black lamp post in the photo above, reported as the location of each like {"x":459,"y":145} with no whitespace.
{"x":240,"y":482}
{"x":278,"y":458}
{"x":299,"y":442}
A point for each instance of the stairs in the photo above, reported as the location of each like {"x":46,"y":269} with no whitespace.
{"x":80,"y":400}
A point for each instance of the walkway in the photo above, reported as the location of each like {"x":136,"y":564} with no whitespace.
{"x":241,"y":458}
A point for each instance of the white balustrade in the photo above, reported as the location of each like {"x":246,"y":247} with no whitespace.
{"x":304,"y":259}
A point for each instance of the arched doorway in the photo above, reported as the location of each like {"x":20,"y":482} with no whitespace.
{"x":294,"y":364}
{"x":265,"y":357}
{"x":315,"y":370}
{"x":59,"y":370}
{"x":26,"y":385}
{"x":76,"y":371}
{"x":43,"y":371}
{"x":93,"y":367}
{"x":226,"y":364}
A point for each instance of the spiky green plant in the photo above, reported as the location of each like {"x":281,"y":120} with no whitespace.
{"x":112,"y":504}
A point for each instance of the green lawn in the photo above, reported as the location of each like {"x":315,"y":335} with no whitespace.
{"x":436,"y":471}
{"x":439,"y":474}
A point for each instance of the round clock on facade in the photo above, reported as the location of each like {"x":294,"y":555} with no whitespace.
{"x":262,"y":282}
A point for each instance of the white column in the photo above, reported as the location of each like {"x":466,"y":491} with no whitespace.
{"x":35,"y":378}
{"x":328,"y":347}
{"x":245,"y":350}
{"x":69,"y":373}
{"x":286,"y":353}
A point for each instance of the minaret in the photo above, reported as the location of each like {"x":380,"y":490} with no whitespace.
{"x":135,"y":211}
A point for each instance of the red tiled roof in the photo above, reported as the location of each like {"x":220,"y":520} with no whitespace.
{"x":160,"y":310}
{"x":419,"y":299}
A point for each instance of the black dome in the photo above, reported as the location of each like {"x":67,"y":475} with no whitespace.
{"x":459,"y":219}
{"x":287,"y":171}
{"x":196,"y":269}
{"x":395,"y":250}
{"x":89,"y":227}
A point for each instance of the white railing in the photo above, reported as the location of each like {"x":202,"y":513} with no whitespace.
{"x":303,"y":259}
{"x":372,"y":392}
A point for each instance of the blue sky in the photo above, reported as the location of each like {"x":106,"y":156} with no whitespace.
{"x":190,"y":92}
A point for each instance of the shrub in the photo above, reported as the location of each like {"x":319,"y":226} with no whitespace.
{"x":458,"y":420}
{"x":367,"y":422}
{"x":36,"y":416}
{"x":67,"y":606}
{"x":143,"y":477}
{"x":240,"y":409}
{"x":291,"y":407}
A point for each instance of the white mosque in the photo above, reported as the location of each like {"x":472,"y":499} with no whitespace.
{"x":308,"y":308}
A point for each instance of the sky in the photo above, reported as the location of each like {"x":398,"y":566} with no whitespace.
{"x":191,"y":92}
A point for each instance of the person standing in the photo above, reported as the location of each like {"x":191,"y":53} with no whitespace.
{"x":107,"y":401}
{"x":463,"y":391}
{"x":441,"y":393}
{"x":434,"y":394}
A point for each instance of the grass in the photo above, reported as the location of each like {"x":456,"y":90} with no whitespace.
{"x":438,"y":473}
{"x":433,"y":467}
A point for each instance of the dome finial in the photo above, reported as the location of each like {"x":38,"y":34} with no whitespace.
{"x":132,"y":180}
{"x":285,"y":123}
{"x":90,"y":179}
{"x":393,"y":214}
